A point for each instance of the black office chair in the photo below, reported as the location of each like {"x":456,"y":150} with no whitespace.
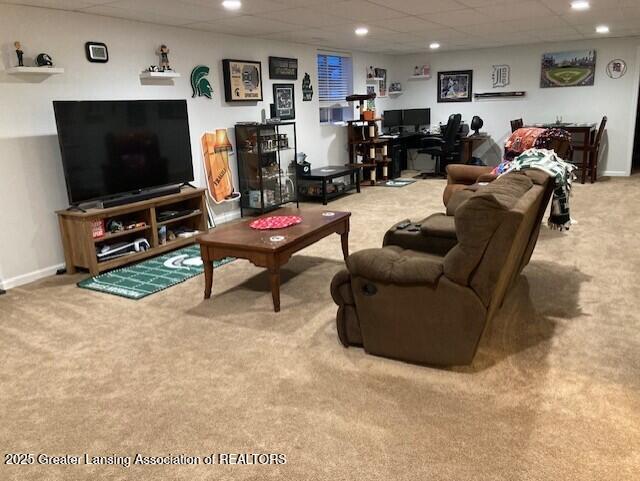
{"x":445,"y":149}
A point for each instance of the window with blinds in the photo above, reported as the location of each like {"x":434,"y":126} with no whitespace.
{"x":335,"y":83}
{"x":335,"y":77}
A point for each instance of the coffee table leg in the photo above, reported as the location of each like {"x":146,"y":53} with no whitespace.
{"x":208,"y":278}
{"x":344,"y":238}
{"x":274,"y":280}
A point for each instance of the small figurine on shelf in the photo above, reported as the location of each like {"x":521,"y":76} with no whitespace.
{"x":416,"y":71}
{"x":19,"y":53}
{"x":163,"y":52}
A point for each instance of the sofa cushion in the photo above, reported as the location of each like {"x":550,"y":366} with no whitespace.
{"x":476,"y":221}
{"x":439,"y":225}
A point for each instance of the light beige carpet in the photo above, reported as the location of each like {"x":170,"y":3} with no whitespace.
{"x":553,"y":394}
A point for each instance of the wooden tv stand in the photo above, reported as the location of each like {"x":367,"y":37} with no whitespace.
{"x":80,"y":247}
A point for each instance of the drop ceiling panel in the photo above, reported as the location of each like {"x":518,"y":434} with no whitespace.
{"x":394,"y":25}
{"x":407,"y":24}
{"x":245,"y":26}
{"x":361,"y":10}
{"x":306,"y":17}
{"x":421,"y":7}
{"x":459,"y":18}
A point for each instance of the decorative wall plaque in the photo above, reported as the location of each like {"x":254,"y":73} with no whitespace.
{"x":283,"y":68}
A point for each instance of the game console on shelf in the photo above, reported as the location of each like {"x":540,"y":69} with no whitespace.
{"x":111,"y":251}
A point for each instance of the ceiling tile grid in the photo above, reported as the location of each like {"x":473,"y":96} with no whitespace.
{"x":397,"y":26}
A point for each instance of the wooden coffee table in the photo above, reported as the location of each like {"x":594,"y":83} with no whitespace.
{"x":258,"y":247}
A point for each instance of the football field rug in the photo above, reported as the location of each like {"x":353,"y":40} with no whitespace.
{"x":151,"y":275}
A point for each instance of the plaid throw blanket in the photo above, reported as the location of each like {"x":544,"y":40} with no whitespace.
{"x":561,"y":171}
{"x":532,"y":138}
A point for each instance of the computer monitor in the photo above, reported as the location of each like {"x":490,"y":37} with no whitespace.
{"x":392,"y":119}
{"x":416,"y":118}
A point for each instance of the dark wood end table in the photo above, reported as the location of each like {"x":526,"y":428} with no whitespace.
{"x":257,"y":246}
{"x":327,"y":174}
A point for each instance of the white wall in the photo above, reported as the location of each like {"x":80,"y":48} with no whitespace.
{"x":31,"y":180}
{"x":614,"y":98}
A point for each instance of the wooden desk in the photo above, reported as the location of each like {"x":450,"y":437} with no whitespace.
{"x":240,"y":240}
{"x":468,"y":146}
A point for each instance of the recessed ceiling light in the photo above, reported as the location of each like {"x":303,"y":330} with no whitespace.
{"x":434,"y":45}
{"x":362,"y":31}
{"x":232,"y":4}
{"x":602,"y":29}
{"x":580,"y":5}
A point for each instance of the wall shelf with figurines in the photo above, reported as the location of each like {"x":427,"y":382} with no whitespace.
{"x":421,"y":73}
{"x":163,"y":70}
{"x":35,"y":70}
{"x":152,"y":74}
{"x":43,"y":64}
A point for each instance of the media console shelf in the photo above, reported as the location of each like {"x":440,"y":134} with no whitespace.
{"x":80,"y":247}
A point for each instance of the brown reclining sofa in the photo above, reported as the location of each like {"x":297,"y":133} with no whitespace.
{"x":427,"y":295}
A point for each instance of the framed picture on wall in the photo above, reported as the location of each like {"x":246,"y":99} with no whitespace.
{"x":283,"y":68}
{"x":455,"y":86}
{"x":284,"y":101}
{"x":568,"y":69}
{"x":242,"y":80}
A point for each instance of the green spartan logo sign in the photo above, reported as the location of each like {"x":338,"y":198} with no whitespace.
{"x":199,"y":83}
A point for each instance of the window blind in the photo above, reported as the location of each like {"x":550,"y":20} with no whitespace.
{"x":335,"y":77}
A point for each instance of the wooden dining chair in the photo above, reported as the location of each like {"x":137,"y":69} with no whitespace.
{"x":594,"y":151}
{"x":516,"y":124}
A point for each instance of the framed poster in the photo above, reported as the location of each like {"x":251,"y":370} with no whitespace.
{"x":568,"y":69}
{"x":242,"y":80}
{"x":283,"y":68}
{"x":455,"y":86}
{"x":284,"y":101}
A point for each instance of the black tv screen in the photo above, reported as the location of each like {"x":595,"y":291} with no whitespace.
{"x":417,"y":117}
{"x":115,"y":147}
{"x":392,"y":118}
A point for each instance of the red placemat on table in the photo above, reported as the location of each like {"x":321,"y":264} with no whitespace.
{"x":275,"y":222}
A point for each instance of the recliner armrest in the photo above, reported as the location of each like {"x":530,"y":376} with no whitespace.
{"x":465,"y":174}
{"x":488,"y":177}
{"x":389,"y":266}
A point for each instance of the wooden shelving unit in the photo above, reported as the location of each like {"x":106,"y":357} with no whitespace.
{"x":80,"y":247}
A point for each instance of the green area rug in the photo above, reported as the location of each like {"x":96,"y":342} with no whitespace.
{"x":151,"y":275}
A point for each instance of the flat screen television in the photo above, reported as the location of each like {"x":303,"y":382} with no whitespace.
{"x":112,"y":148}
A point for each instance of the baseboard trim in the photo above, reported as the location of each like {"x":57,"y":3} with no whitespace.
{"x":227,"y":216}
{"x":29,"y":277}
{"x":615,"y":173}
